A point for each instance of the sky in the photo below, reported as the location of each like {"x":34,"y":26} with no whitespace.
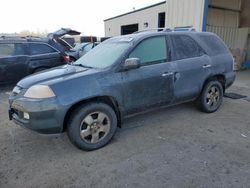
{"x":85,"y":16}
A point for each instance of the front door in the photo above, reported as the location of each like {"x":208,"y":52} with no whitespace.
{"x":152,"y":83}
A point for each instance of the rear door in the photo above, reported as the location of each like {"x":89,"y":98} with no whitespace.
{"x":13,"y":61}
{"x":152,"y":83}
{"x":43,"y":56}
{"x":191,"y":66}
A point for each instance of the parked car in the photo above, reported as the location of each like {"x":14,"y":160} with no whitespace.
{"x":121,"y":76}
{"x":59,"y":37}
{"x":21,"y":56}
{"x":81,"y":49}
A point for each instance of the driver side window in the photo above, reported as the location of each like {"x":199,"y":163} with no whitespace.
{"x":151,"y":51}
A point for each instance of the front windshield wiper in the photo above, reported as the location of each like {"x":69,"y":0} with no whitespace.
{"x":81,"y":65}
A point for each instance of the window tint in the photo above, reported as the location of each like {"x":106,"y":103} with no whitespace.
{"x":151,"y":51}
{"x":215,"y":45}
{"x":13,"y":49}
{"x":36,"y":48}
{"x":185,"y":47}
{"x":6,"y":49}
{"x":20,"y":49}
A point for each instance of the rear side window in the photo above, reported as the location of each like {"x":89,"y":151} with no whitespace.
{"x":36,"y":49}
{"x":185,"y":47}
{"x":6,"y":49}
{"x":214,"y":44}
{"x":13,"y":49}
{"x":151,"y":51}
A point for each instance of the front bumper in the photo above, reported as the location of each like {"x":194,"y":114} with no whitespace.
{"x":46,"y":116}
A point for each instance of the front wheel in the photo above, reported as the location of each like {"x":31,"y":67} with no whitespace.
{"x":211,"y":97}
{"x":92,"y":126}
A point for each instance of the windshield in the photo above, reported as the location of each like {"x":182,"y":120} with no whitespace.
{"x":103,"y":55}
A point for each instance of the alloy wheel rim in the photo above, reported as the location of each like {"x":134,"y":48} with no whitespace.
{"x":95,"y":127}
{"x":213,"y":96}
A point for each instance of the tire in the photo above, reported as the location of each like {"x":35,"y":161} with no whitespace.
{"x":92,"y":126}
{"x":211,"y":97}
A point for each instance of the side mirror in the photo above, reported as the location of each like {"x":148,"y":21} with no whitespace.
{"x":131,"y":63}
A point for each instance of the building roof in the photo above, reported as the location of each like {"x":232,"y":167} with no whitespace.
{"x":154,"y":5}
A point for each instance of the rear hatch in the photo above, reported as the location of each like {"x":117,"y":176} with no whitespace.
{"x":58,"y":35}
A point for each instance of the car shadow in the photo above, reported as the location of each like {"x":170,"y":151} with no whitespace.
{"x":27,"y":139}
{"x":6,"y":87}
{"x":155,"y":114}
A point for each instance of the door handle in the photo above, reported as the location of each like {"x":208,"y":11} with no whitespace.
{"x":167,"y":74}
{"x":206,"y":66}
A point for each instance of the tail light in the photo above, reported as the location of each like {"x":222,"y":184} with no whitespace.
{"x":66,"y":58}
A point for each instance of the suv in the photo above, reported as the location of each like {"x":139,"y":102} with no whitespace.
{"x":121,"y":76}
{"x":21,"y":56}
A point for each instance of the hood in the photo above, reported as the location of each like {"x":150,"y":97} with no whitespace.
{"x":44,"y":76}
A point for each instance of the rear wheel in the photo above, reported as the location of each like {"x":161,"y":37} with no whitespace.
{"x":211,"y":97}
{"x":92,"y":126}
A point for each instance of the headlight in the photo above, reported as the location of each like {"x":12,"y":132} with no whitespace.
{"x":39,"y":92}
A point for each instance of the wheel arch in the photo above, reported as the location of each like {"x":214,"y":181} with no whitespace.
{"x":218,"y":77}
{"x":111,"y":101}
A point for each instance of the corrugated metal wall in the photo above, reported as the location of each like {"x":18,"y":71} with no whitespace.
{"x":218,"y":17}
{"x":149,"y":15}
{"x":233,"y":37}
{"x":236,"y":39}
{"x":229,"y":4}
{"x":223,"y":19}
{"x":185,"y":13}
{"x":228,"y":34}
{"x":245,"y":14}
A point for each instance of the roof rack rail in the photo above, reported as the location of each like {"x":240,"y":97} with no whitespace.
{"x":154,"y":29}
{"x":30,"y":36}
{"x":184,"y":28}
{"x":27,"y":36}
{"x":9,"y":36}
{"x":162,"y":29}
{"x":16,"y":37}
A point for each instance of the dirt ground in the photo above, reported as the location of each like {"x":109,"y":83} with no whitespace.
{"x":170,"y":147}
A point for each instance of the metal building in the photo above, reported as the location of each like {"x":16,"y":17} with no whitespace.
{"x":230,"y":19}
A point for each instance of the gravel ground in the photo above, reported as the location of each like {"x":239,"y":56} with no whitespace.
{"x":169,"y":147}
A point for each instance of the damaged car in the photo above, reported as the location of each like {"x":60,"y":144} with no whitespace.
{"x":124,"y":75}
{"x":21,"y":56}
